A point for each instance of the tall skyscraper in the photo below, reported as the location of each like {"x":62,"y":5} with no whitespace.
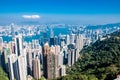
{"x":52,"y":41}
{"x":67,"y":39}
{"x":22,"y":70}
{"x":50,"y":62}
{"x":18,"y":45}
{"x":51,"y":66}
{"x":60,"y":59}
{"x":17,"y":67}
{"x":29,"y":61}
{"x":1,"y":49}
{"x":46,"y":50}
{"x":51,"y":33}
{"x":71,"y":54}
{"x":72,"y":38}
{"x":12,"y":30}
{"x":1,"y":43}
{"x":13,"y":72}
{"x":36,"y":68}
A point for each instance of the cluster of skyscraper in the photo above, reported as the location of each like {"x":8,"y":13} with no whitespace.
{"x":47,"y":57}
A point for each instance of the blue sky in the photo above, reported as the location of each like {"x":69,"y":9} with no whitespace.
{"x":72,"y":9}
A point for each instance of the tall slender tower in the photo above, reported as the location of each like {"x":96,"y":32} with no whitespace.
{"x":12,"y":30}
{"x":18,"y":45}
{"x":50,"y":62}
{"x":36,"y":68}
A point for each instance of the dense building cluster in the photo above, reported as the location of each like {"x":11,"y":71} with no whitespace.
{"x":46,"y":57}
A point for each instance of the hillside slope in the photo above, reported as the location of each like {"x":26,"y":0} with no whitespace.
{"x":100,"y":61}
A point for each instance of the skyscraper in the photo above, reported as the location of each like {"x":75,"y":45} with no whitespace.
{"x":12,"y":30}
{"x":18,"y":45}
{"x":51,"y":66}
{"x":1,"y":43}
{"x":46,"y":50}
{"x":51,"y":33}
{"x":12,"y":67}
{"x":71,"y":54}
{"x":22,"y":69}
{"x":50,"y":62}
{"x":36,"y":68}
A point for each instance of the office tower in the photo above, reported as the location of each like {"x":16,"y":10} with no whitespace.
{"x":62,"y":70}
{"x":67,"y":39}
{"x":71,"y":54}
{"x":12,"y":30}
{"x":36,"y":68}
{"x":18,"y":45}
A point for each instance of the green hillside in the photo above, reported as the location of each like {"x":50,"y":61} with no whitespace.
{"x":3,"y":75}
{"x":100,"y":61}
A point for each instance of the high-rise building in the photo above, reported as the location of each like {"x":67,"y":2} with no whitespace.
{"x":50,"y":62}
{"x":72,"y":38}
{"x":52,"y":41}
{"x":17,"y":67}
{"x":29,"y":61}
{"x":22,"y":69}
{"x":67,"y":39}
{"x":51,"y":66}
{"x":60,"y":59}
{"x":51,"y":33}
{"x":62,"y":70}
{"x":12,"y":30}
{"x":36,"y":68}
{"x":5,"y":54}
{"x":1,"y":49}
{"x":46,"y":50}
{"x":71,"y":54}
{"x":18,"y":45}
{"x":13,"y":72}
{"x":1,"y":43}
{"x":56,"y":41}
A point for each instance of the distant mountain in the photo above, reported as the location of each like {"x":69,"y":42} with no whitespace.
{"x":103,"y":26}
{"x":100,"y":61}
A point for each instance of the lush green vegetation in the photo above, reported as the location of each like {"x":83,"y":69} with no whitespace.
{"x":3,"y":75}
{"x":100,"y":61}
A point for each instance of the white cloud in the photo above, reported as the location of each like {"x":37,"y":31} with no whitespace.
{"x":31,"y":16}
